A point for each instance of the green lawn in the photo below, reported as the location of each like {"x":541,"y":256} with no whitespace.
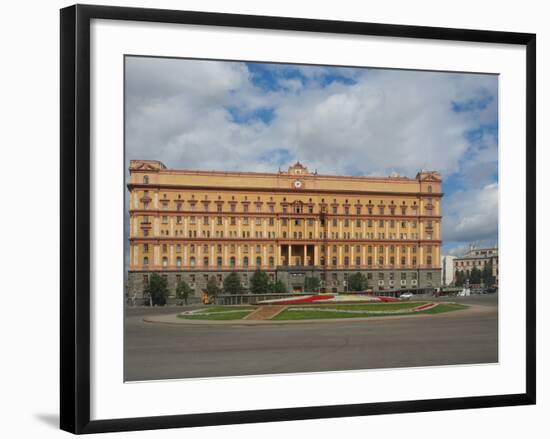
{"x":379,"y":306}
{"x":231,"y":315}
{"x":445,"y":307}
{"x":288,"y":314}
{"x":221,"y":308}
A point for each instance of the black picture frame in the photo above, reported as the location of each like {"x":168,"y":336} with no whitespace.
{"x":75,"y":217}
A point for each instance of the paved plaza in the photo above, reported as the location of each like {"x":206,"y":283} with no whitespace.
{"x":163,"y":351}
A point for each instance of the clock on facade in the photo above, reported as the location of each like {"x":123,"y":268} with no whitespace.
{"x":297,"y":184}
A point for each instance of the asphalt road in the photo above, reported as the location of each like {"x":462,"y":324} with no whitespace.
{"x":157,"y":351}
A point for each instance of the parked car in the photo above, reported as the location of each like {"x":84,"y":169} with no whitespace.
{"x":406,"y":296}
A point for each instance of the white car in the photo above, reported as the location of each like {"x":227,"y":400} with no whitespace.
{"x":406,"y":296}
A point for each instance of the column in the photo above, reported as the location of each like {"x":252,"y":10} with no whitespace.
{"x":304,"y":262}
{"x":278,"y":261}
{"x":316,"y":255}
{"x":289,"y":253}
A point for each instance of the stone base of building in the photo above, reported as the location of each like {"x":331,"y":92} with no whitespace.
{"x":332,"y":281}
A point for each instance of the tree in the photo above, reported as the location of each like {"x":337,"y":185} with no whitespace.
{"x":357,"y":282}
{"x":475,"y":276}
{"x":486,"y":275}
{"x":278,"y":287}
{"x":157,"y":290}
{"x":259,"y":282}
{"x":312,"y":284}
{"x":183,"y":290}
{"x":232,"y":283}
{"x":459,"y":278}
{"x":212,"y":287}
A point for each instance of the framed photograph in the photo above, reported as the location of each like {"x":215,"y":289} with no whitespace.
{"x":268,"y":219}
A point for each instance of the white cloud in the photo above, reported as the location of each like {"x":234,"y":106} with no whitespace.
{"x":471,"y":215}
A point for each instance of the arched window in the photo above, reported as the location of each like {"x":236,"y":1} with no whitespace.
{"x":145,"y":261}
{"x":192,"y":261}
{"x":232,"y":261}
{"x":245,"y":261}
{"x":164,"y":262}
{"x":271,"y":261}
{"x":219,"y":261}
{"x":146,"y":179}
{"x":178,"y":262}
{"x":205,"y":261}
{"x":322,"y":260}
{"x":346,"y":261}
{"x":258,"y":261}
{"x":334,"y":261}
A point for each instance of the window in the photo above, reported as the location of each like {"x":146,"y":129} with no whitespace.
{"x":346,"y":261}
{"x":205,"y":261}
{"x":232,"y":261}
{"x":429,"y":189}
{"x":380,"y":276}
{"x":145,"y":248}
{"x":219,"y":261}
{"x":271,"y":261}
{"x":334,"y":261}
{"x":357,"y":260}
{"x":145,"y":261}
{"x":403,"y":260}
{"x":164,"y":248}
{"x":192,"y":261}
{"x":164,"y":262}
{"x":219,"y":221}
{"x":145,"y":179}
{"x":245,"y":261}
{"x":429,"y":260}
{"x":369,"y":261}
{"x":178,"y":262}
{"x":381,"y":260}
{"x":258,"y":261}
{"x":381,"y":223}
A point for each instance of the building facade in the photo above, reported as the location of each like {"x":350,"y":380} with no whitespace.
{"x":447,"y":269}
{"x":479,"y":258}
{"x":191,"y":225}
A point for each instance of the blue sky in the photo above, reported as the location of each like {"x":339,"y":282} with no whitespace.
{"x":352,"y":121}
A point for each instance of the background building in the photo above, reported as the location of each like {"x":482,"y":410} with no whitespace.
{"x":188,"y":224}
{"x":447,"y":269}
{"x":479,"y":258}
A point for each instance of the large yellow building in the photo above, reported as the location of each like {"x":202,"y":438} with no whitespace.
{"x":191,"y":225}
